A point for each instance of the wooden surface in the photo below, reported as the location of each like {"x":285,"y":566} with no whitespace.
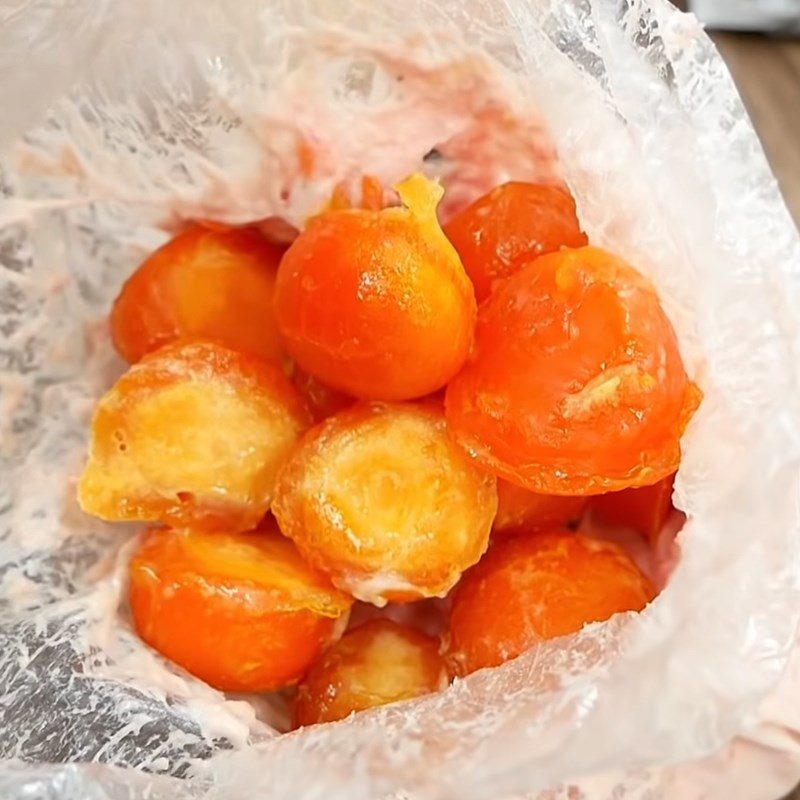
{"x":767,"y":72}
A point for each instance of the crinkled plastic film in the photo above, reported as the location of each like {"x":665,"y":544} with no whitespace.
{"x":123,"y":118}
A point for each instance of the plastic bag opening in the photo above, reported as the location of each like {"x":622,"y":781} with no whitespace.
{"x":200,"y":118}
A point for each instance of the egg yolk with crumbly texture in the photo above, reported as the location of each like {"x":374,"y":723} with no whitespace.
{"x":379,"y":662}
{"x":193,"y":434}
{"x":380,"y":498}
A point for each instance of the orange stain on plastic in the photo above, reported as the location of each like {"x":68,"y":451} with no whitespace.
{"x":376,"y":304}
{"x":531,"y":588}
{"x":380,"y":497}
{"x":372,"y":196}
{"x":377,"y":663}
{"x":243,"y":612}
{"x":575,"y":385}
{"x":306,"y":157}
{"x":213,"y":283}
{"x":511,"y":225}
{"x":193,"y":434}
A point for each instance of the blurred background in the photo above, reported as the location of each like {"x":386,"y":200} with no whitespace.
{"x":760,"y":41}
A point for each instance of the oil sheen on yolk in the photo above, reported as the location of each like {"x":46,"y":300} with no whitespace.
{"x":645,"y":508}
{"x":380,"y":498}
{"x":322,"y":401}
{"x":379,"y":662}
{"x":510,"y":226}
{"x":241,"y":611}
{"x":521,"y":510}
{"x":575,"y":385}
{"x":212,"y":284}
{"x":193,"y":434}
{"x":541,"y":586}
{"x":376,"y":304}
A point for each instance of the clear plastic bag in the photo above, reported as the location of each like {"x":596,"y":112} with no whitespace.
{"x":122,"y":118}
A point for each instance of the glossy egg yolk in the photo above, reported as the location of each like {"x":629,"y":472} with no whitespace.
{"x":243,"y":612}
{"x":575,"y":385}
{"x":536,"y":587}
{"x":204,"y":283}
{"x":376,"y":304}
{"x":509,"y":227}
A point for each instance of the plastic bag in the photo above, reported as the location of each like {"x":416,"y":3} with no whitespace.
{"x":123,"y":118}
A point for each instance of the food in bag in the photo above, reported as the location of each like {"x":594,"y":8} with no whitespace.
{"x":378,"y":662}
{"x":242,"y":611}
{"x":599,"y":80}
{"x":380,"y":498}
{"x":536,"y":587}
{"x":519,"y":509}
{"x":376,"y":303}
{"x":574,"y":381}
{"x":510,"y":226}
{"x":193,"y":434}
{"x":575,"y":384}
{"x":644,"y":508}
{"x":204,"y":283}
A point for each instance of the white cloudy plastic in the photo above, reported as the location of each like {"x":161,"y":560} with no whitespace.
{"x":121,"y":118}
